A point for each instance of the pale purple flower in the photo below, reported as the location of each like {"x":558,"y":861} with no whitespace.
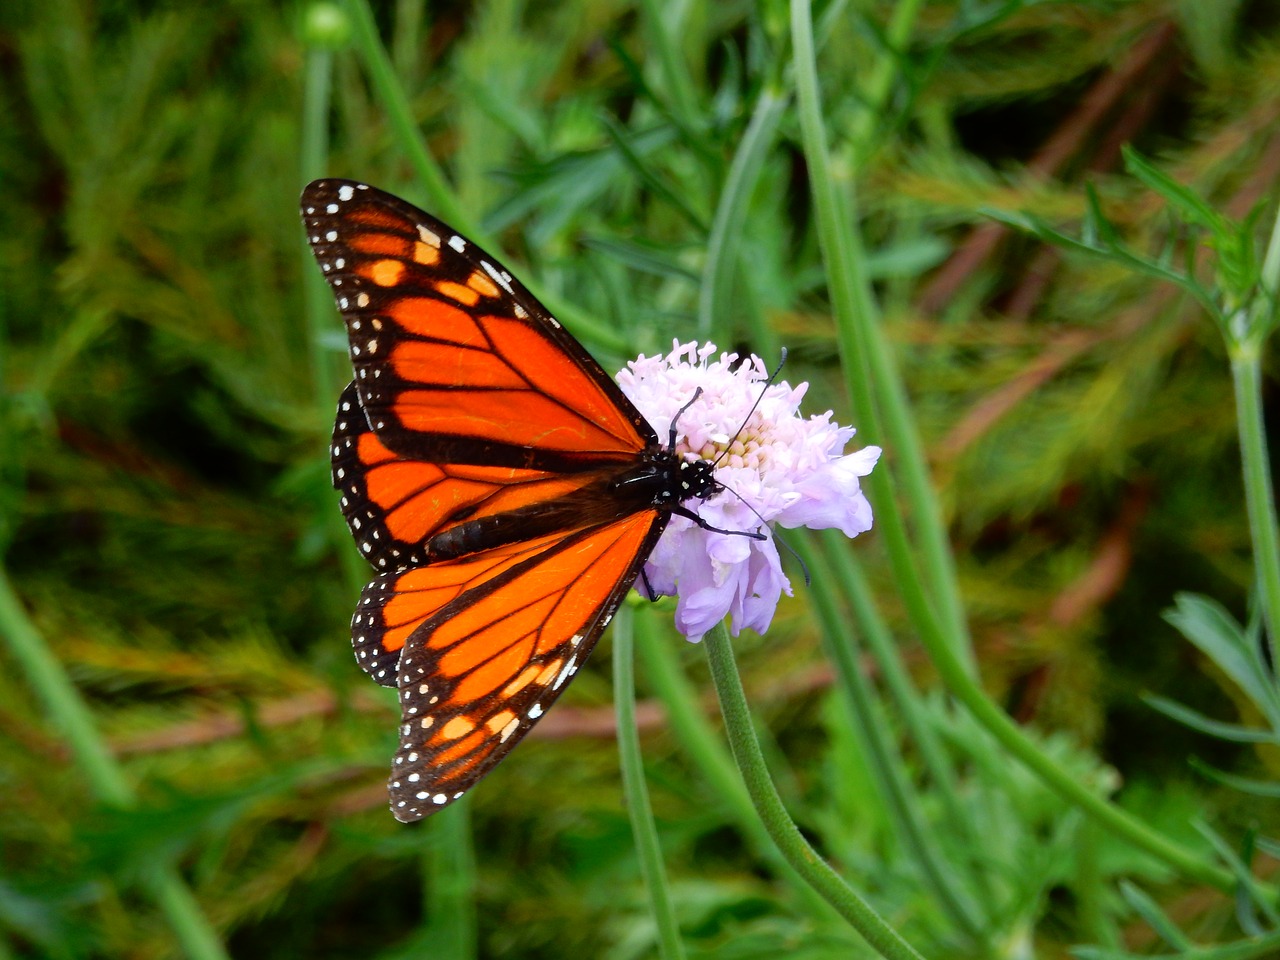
{"x":791,"y":471}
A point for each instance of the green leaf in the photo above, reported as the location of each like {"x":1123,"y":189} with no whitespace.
{"x":1213,"y":630}
{"x":1101,"y":240}
{"x":1254,"y":948}
{"x":646,"y":257}
{"x":1156,"y":919}
{"x":1191,"y":207}
{"x":1214,"y":728}
{"x":1250,"y":892}
{"x":1258,"y":788}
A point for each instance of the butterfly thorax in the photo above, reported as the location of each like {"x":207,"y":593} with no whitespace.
{"x":666,"y":480}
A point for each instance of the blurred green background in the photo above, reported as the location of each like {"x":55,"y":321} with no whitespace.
{"x":169,"y":529}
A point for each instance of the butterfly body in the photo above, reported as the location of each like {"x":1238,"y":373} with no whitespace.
{"x":502,"y":486}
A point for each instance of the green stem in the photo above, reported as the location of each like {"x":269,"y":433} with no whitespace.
{"x":1246,"y":376}
{"x":63,"y":702}
{"x":879,"y":399}
{"x":887,"y":767}
{"x":106,"y":781}
{"x":852,"y":584}
{"x":637,"y":793}
{"x":318,"y":302}
{"x":866,"y":357}
{"x":707,"y":752}
{"x":451,"y":883}
{"x":725,"y":238}
{"x":764,"y":795}
{"x":429,"y":175}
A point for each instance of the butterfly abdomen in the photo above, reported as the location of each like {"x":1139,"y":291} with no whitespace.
{"x":659,"y":482}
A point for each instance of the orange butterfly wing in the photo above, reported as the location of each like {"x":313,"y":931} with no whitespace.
{"x":491,"y":469}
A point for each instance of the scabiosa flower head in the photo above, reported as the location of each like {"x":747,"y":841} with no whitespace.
{"x":783,"y":468}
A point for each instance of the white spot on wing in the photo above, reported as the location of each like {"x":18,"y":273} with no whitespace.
{"x":500,"y":277}
{"x":566,"y":672}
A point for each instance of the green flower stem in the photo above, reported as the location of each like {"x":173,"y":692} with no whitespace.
{"x":873,"y":384}
{"x":746,"y":751}
{"x":725,"y":238}
{"x":706,"y":750}
{"x":1246,"y":377}
{"x":885,"y":765}
{"x":318,"y":303}
{"x":450,"y":870}
{"x":429,"y":175}
{"x":326,"y":381}
{"x":839,"y":576}
{"x":106,"y":781}
{"x":852,"y":584}
{"x":637,"y":793}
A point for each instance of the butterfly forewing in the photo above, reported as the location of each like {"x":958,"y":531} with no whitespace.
{"x":455,"y":360}
{"x":493,"y":474}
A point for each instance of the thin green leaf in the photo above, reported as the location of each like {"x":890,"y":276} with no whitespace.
{"x":1190,"y":205}
{"x":1268,"y":846}
{"x":1113,"y":251}
{"x":1258,"y":788}
{"x":1096,"y":223}
{"x":1213,"y":631}
{"x":649,"y":176}
{"x":640,"y":255}
{"x":1156,"y":919}
{"x":1214,"y":728}
{"x":1255,"y":948}
{"x":1250,"y":889}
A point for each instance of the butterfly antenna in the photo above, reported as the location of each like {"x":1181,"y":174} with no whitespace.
{"x":671,"y":440}
{"x":747,"y":419}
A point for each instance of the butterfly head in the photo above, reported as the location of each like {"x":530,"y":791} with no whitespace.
{"x":697,"y":479}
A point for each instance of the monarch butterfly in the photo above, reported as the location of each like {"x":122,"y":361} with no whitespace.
{"x":495,"y":476}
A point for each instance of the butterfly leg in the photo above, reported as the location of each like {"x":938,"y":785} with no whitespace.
{"x":649,"y":592}
{"x":683,"y":511}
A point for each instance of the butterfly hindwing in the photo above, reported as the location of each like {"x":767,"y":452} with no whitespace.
{"x":478,"y":674}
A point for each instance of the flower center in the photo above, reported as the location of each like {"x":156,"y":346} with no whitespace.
{"x":749,"y":449}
